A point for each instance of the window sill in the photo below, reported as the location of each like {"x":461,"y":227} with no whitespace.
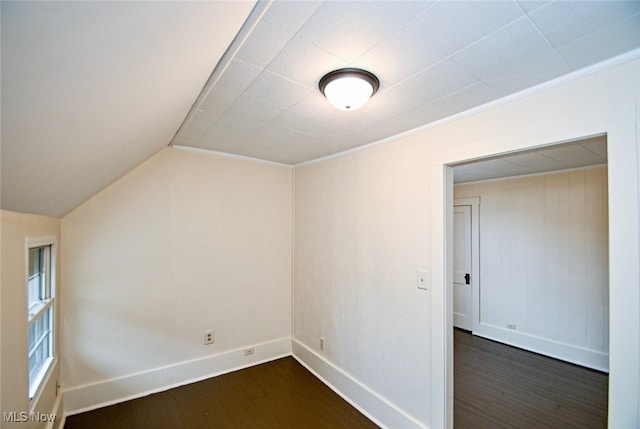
{"x":40,"y":380}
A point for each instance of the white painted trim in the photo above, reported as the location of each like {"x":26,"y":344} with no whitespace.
{"x":292,"y":314}
{"x":58,"y":423}
{"x":108,"y":392}
{"x":589,"y":358}
{"x":441,"y":240}
{"x":578,"y":74}
{"x":638,"y":187}
{"x":378,"y":409}
{"x":474,"y":203}
{"x":53,"y":365}
{"x":48,"y":240}
{"x":229,"y":155}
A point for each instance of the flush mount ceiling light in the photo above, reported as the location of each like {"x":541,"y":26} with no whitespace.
{"x":349,"y":89}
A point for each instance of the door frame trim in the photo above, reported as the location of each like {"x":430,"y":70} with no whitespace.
{"x":474,"y":202}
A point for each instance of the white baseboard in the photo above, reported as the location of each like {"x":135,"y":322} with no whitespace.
{"x":58,"y":423}
{"x":371,"y":404}
{"x":108,"y":392}
{"x":593,"y":359}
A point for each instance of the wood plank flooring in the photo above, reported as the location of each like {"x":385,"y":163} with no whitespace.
{"x":278,"y":394}
{"x":498,"y":386}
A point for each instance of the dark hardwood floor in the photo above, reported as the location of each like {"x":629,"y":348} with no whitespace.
{"x":278,"y":394}
{"x":498,"y":386}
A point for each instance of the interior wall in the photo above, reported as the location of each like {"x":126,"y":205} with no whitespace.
{"x":361,"y":235}
{"x":544,"y":263}
{"x":184,"y":243}
{"x":15,"y":228}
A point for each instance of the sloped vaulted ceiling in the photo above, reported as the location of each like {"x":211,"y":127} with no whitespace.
{"x":434,"y":59}
{"x":91,"y":89}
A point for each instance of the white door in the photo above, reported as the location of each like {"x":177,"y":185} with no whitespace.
{"x":462,"y":291}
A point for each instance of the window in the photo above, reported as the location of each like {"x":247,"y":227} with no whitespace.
{"x":40,"y":310}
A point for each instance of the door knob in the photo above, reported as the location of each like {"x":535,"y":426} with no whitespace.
{"x":467,"y":278}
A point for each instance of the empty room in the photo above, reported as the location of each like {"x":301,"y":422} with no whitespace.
{"x":531,"y":271}
{"x":193,"y":205}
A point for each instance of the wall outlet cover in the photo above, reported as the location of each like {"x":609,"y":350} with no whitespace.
{"x":208,"y":337}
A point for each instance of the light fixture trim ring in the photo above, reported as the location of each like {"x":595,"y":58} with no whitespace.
{"x":368,"y":77}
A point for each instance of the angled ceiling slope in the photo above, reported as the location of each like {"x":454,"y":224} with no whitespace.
{"x":433,"y":58}
{"x":92,"y":89}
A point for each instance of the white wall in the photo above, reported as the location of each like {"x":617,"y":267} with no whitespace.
{"x":15,"y":228}
{"x":544,"y":263}
{"x":366,"y":221}
{"x":355,"y":277}
{"x":184,"y":243}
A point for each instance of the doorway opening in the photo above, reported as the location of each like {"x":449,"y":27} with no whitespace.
{"x":530,"y":260}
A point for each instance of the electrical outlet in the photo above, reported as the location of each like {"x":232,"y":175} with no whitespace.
{"x":249,"y":352}
{"x":208,"y":337}
{"x":511,"y":326}
{"x":321,"y":343}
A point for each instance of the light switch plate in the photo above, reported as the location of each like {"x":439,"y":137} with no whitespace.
{"x":423,"y":280}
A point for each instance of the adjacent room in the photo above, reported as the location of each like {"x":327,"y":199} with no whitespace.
{"x":531,"y":271}
{"x":190,"y":203}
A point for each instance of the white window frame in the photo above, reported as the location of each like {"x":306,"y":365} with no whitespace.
{"x":39,"y":310}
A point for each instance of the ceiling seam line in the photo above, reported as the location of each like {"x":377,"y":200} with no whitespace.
{"x":548,"y":42}
{"x":245,"y":31}
{"x":450,"y":55}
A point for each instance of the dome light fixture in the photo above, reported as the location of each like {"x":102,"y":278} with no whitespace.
{"x":349,"y":88}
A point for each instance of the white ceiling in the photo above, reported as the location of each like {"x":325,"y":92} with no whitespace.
{"x":582,"y":153}
{"x":433,"y":58}
{"x":91,"y":89}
